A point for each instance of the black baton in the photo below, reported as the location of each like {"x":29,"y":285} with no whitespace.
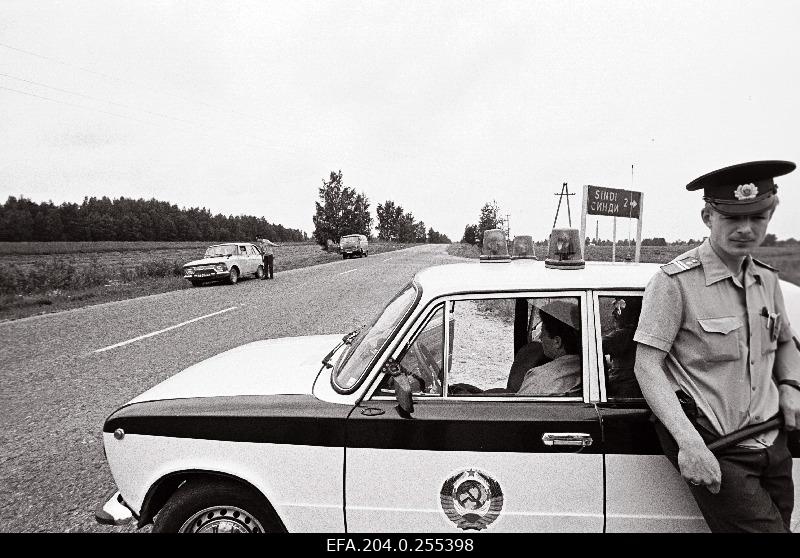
{"x":745,"y":433}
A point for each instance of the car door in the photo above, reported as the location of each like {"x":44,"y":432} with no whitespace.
{"x":242,"y":259}
{"x":255,"y":258}
{"x":470,"y":460}
{"x":644,"y":492}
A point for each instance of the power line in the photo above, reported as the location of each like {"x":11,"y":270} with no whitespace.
{"x":127,"y":117}
{"x":291,"y":148}
{"x":296,"y":148}
{"x":73,"y":105}
{"x":91,"y":98}
{"x":128,"y":82}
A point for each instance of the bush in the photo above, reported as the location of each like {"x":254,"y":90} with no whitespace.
{"x":463,"y":250}
{"x":159,"y":268}
{"x":60,"y":275}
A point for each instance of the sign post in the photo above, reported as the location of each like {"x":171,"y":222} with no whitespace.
{"x":613,"y":202}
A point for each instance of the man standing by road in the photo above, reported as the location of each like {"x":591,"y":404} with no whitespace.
{"x":267,"y":255}
{"x":714,"y":333}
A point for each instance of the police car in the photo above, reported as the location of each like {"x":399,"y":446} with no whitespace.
{"x":421,"y":421}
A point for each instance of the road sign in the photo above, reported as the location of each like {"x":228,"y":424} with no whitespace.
{"x":613,"y":202}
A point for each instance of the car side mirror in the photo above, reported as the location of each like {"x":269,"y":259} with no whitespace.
{"x":402,"y":386}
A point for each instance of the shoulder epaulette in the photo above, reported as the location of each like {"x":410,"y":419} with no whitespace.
{"x":762,"y":264}
{"x":679,"y":266}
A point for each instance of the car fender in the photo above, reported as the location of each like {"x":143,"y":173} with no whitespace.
{"x":310,"y":502}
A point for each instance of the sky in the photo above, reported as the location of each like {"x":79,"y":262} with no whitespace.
{"x":246,"y":107}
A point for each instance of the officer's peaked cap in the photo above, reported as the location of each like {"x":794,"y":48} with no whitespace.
{"x":742,"y":189}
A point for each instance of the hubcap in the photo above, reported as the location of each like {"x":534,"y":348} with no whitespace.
{"x":222,"y":519}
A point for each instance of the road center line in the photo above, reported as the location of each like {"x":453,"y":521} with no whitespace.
{"x":349,"y":270}
{"x":163,"y":330}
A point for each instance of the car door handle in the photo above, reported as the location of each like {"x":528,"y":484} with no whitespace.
{"x":566,"y":439}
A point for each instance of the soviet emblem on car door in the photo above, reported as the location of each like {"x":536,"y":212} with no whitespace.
{"x":471,"y":499}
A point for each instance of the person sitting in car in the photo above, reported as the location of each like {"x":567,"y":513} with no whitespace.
{"x":561,"y":341}
{"x":618,"y":344}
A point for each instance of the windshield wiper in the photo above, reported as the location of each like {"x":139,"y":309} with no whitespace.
{"x":346,"y":340}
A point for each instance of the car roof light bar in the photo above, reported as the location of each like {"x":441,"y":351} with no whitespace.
{"x":495,"y":247}
{"x":565,"y":250}
{"x":522,"y":248}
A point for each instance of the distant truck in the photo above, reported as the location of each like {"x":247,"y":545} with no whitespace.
{"x":354,"y":244}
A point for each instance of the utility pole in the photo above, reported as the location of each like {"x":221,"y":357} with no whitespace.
{"x":564,"y":192}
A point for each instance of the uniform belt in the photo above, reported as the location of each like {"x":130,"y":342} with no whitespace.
{"x":744,"y":433}
{"x":728,"y":440}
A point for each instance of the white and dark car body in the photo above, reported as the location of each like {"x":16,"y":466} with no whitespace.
{"x":225,"y":262}
{"x":326,"y":448}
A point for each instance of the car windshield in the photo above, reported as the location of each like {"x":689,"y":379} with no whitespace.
{"x":352,"y":364}
{"x":221,"y":250}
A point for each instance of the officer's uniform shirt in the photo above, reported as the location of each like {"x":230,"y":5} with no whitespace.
{"x":720,"y":347}
{"x":266,"y":247}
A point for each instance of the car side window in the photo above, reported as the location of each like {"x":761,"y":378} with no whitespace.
{"x":619,"y":316}
{"x":516,"y":347}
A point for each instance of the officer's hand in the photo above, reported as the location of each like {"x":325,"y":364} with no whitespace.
{"x":699,"y":466}
{"x":790,"y":406}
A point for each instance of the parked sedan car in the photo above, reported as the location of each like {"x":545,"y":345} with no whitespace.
{"x":324,"y":440}
{"x":225,"y":262}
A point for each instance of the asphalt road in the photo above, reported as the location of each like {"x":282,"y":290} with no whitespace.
{"x":62,"y":374}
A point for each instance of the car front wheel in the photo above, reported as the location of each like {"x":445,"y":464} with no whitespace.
{"x":234,"y":278}
{"x":260,"y":272}
{"x":213,"y":507}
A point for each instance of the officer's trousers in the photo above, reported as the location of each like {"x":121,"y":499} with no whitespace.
{"x":268,"y":258}
{"x":756,"y":494}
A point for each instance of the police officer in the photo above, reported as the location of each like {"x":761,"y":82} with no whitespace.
{"x":714,"y":332}
{"x":268,"y":256}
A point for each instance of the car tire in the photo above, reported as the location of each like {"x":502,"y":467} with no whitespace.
{"x":234,"y":277}
{"x":194,"y":283}
{"x":213,"y":507}
{"x":344,"y":256}
{"x":260,"y":272}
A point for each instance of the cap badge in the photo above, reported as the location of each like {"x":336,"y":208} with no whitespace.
{"x":746,"y":192}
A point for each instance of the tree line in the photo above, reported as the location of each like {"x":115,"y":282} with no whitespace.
{"x":127,"y":219}
{"x":341,"y":211}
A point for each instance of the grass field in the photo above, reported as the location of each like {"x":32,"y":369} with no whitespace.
{"x":54,"y":248}
{"x":40,"y":277}
{"x":784,"y":258}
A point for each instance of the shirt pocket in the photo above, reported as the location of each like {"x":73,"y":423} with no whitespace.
{"x":768,"y":345}
{"x":721,"y":338}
